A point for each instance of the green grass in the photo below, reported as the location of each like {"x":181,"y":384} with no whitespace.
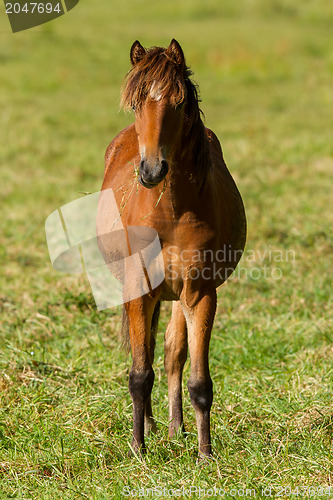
{"x":265,"y":72}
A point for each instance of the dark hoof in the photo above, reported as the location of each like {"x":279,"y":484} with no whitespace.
{"x":137,"y":451}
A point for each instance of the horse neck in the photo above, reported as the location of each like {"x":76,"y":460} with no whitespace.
{"x":189,"y":170}
{"x":192,"y":158}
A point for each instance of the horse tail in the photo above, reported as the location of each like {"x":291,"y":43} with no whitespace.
{"x":155,"y":318}
{"x":124,"y":331}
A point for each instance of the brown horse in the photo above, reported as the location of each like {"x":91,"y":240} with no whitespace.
{"x":167,"y":172}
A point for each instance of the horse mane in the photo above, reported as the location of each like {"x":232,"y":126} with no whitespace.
{"x":156,"y":71}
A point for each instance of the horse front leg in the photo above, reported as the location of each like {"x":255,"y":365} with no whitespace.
{"x":200,"y":320}
{"x":175,"y":350}
{"x":141,"y":378}
{"x":149,"y":422}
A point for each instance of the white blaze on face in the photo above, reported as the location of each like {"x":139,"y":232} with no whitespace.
{"x":142,"y":151}
{"x":155,"y":93}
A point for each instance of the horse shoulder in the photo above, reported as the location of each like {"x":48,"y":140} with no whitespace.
{"x":125,"y":144}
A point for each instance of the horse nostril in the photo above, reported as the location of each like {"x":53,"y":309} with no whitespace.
{"x":142,"y":165}
{"x":144,"y":168}
{"x":164,"y":168}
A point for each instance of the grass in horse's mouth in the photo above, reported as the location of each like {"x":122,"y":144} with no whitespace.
{"x":130,"y":188}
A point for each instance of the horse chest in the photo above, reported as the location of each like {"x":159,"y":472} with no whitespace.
{"x":189,"y":261}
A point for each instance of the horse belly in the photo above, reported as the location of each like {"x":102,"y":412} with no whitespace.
{"x":196,"y":269}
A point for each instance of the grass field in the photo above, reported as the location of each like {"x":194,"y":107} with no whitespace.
{"x":265,"y":70}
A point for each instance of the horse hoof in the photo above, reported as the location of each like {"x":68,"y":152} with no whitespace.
{"x":179,"y":431}
{"x":136,"y":451}
{"x":203,"y":460}
{"x":150,"y":427}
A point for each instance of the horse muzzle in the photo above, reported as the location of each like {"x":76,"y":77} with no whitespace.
{"x":149,"y":176}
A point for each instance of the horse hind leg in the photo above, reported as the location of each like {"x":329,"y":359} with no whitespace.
{"x":175,"y":354}
{"x":149,"y":422}
{"x":199,"y":322}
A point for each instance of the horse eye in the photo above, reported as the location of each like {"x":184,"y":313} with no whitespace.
{"x":180,"y":105}
{"x":133,"y":107}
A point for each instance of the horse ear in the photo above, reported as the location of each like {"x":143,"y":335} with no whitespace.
{"x":137,"y":52}
{"x":175,"y":52}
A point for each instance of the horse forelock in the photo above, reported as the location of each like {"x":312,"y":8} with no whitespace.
{"x":154,"y":77}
